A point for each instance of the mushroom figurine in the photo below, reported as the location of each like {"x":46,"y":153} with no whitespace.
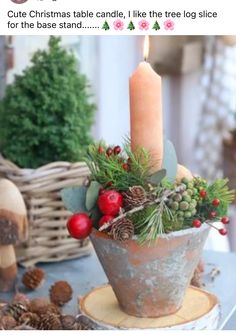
{"x":13,"y":229}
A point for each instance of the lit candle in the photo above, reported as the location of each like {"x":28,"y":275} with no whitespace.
{"x":146,"y":111}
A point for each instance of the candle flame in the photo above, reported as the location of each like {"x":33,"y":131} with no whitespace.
{"x":146,"y":47}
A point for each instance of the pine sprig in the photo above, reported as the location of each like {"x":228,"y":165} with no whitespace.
{"x":110,"y":171}
{"x":219,"y":189}
{"x":152,"y":226}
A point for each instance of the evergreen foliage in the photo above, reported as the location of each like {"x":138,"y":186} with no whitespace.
{"x":46,"y":114}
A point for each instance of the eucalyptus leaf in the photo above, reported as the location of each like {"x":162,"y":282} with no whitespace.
{"x":157,"y":177}
{"x":92,"y":195}
{"x":74,"y":198}
{"x":170,"y":160}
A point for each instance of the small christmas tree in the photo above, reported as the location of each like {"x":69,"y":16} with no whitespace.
{"x":131,"y":26}
{"x":105,"y":26}
{"x":156,"y":26}
{"x":46,"y":115}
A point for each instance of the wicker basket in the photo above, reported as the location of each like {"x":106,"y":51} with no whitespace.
{"x":48,"y":237}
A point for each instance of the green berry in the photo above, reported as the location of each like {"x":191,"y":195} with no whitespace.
{"x":190,"y":192}
{"x":190,"y":185}
{"x":175,"y":206}
{"x":187,"y":214}
{"x":187,"y":198}
{"x":185,"y":181}
{"x":194,"y":202}
{"x":180,"y":214}
{"x":183,"y":206}
{"x":194,"y":212}
{"x":195,"y":191}
{"x":191,"y":206}
{"x":177,"y":197}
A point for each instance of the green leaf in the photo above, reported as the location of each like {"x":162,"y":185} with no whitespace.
{"x":157,"y":177}
{"x":92,"y":195}
{"x":169,"y":160}
{"x":74,"y":198}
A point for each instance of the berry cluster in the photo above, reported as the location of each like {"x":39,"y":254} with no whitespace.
{"x":109,"y":203}
{"x":184,"y":203}
{"x":212,"y":214}
{"x":116,"y":150}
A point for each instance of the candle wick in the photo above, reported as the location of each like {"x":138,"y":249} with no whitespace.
{"x":145,"y":59}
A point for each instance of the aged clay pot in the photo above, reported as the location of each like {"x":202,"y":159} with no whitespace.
{"x":150,"y":280}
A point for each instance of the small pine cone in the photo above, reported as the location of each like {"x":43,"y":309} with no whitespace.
{"x":122,"y":230}
{"x":30,"y":319}
{"x":38,"y":305}
{"x":7,"y":322}
{"x":50,"y":322}
{"x":60,"y":293}
{"x":22,"y":298}
{"x":81,"y":326}
{"x":134,"y":197}
{"x":16,"y":309}
{"x":33,"y":278}
{"x":68,"y":322}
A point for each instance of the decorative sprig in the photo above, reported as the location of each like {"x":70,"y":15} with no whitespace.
{"x":109,"y":170}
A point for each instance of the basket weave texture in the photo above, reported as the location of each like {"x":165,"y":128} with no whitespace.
{"x":48,"y":237}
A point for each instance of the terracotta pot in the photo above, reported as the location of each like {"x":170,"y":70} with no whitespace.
{"x":150,"y":280}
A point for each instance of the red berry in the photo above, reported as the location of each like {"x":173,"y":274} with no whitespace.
{"x":203,"y":194}
{"x":222,"y":231}
{"x":196,"y":223}
{"x":117,"y":150}
{"x":101,"y":150}
{"x":109,"y":151}
{"x":225,"y":220}
{"x":109,"y":184}
{"x":104,"y":219}
{"x":212,"y":215}
{"x":125,"y":166}
{"x":79,"y":225}
{"x":101,"y":191}
{"x":215,"y":202}
{"x":110,"y":202}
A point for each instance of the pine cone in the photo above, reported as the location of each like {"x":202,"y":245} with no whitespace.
{"x":22,"y":298}
{"x":122,"y":230}
{"x":60,"y":293}
{"x":135,"y":196}
{"x":50,"y":322}
{"x":33,"y":278}
{"x":43,"y":306}
{"x":68,"y":322}
{"x":7,"y":322}
{"x":81,"y":326}
{"x":16,"y":309}
{"x":30,"y":319}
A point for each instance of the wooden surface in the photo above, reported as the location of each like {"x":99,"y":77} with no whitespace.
{"x":86,"y":273}
{"x":200,"y":310}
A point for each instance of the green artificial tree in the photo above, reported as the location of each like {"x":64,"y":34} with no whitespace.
{"x":105,"y":26}
{"x":131,"y":26}
{"x":156,"y":26}
{"x":46,"y":114}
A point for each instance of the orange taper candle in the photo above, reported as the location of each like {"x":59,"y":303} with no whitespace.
{"x":146,"y":112}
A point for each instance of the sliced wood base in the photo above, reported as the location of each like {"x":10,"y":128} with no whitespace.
{"x":100,"y":310}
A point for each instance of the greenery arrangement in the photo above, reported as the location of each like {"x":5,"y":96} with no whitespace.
{"x":46,"y":114}
{"x":123,"y":199}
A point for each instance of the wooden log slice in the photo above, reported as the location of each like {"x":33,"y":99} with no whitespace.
{"x":99,"y":309}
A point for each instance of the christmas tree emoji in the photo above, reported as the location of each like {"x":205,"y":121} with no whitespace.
{"x":131,"y":26}
{"x":105,"y":26}
{"x":156,"y":26}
